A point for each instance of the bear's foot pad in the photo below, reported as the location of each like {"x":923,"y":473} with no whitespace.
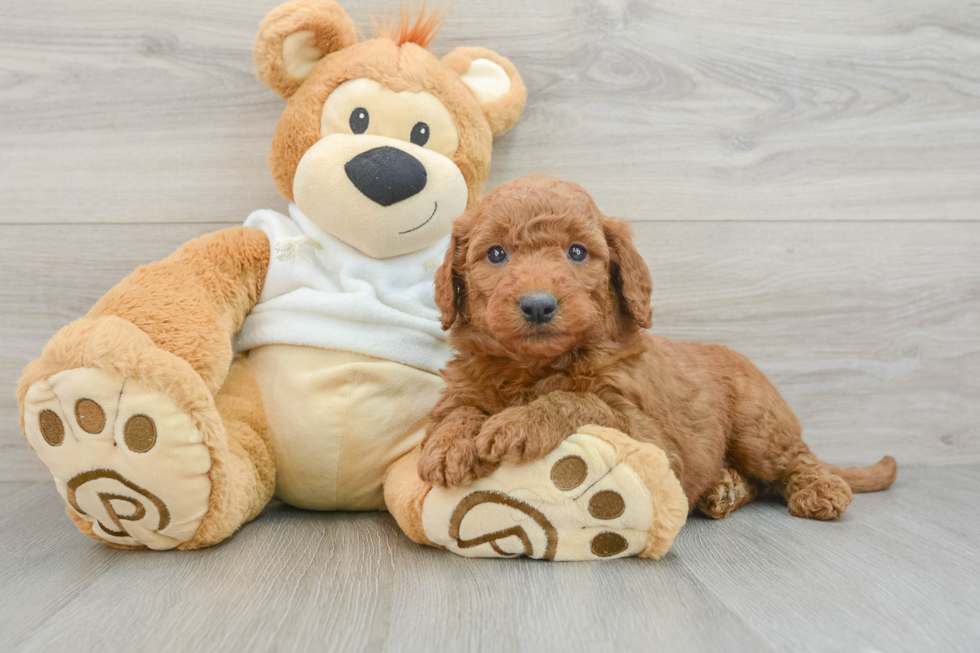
{"x":581,"y":502}
{"x":124,"y":458}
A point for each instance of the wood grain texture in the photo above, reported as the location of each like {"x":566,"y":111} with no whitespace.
{"x":896,"y":574}
{"x":876,"y":348}
{"x":148,"y":111}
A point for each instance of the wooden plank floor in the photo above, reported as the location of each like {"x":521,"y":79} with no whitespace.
{"x":898,"y":573}
{"x":804,"y":182}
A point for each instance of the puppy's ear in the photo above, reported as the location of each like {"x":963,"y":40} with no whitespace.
{"x":628,"y":272}
{"x":450,"y":286}
{"x":494,"y":82}
{"x":294,"y":37}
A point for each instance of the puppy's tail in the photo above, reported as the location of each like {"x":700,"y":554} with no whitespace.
{"x":870,"y":478}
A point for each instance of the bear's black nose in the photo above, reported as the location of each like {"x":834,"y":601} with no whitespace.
{"x":538,"y":307}
{"x":386,"y":174}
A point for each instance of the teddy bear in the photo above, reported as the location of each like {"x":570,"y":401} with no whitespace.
{"x":296,"y":356}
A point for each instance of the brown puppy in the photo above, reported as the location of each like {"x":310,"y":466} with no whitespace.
{"x":549,"y":301}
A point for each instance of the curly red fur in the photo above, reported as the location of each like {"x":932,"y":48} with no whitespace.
{"x":515,"y":390}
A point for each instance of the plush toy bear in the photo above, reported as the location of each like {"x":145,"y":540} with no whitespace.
{"x":297,"y":356}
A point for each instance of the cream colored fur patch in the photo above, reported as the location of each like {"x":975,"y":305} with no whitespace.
{"x":300,"y":54}
{"x":488,"y":80}
{"x":324,"y":193}
{"x":338,"y":420}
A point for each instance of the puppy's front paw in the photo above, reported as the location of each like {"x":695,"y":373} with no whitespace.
{"x":450,"y":462}
{"x":514,"y":436}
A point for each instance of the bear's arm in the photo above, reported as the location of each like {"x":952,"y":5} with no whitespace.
{"x":194,"y":301}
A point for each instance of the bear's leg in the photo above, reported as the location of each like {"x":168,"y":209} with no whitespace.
{"x":600,"y":494}
{"x":251,"y":469}
{"x":141,"y":452}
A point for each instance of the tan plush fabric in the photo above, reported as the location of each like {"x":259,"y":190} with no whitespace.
{"x":405,"y":68}
{"x":330,"y":30}
{"x":503,"y":112}
{"x":251,"y":467}
{"x":396,"y":65}
{"x":392,"y":114}
{"x":338,"y":421}
{"x":192,"y":302}
{"x":405,"y":495}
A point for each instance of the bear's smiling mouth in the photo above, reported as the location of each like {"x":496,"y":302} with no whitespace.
{"x":434,"y":209}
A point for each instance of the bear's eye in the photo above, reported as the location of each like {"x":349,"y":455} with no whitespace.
{"x":359,"y":120}
{"x":577,"y":253}
{"x":420,"y":134}
{"x":496,"y":255}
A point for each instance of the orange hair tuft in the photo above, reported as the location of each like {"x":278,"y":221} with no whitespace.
{"x":421,"y":32}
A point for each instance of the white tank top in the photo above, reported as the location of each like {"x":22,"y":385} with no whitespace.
{"x":323,"y":293}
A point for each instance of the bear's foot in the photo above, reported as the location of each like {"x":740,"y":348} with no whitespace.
{"x":130,"y":465}
{"x":599,"y":495}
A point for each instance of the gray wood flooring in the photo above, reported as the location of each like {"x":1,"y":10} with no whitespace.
{"x":804,"y":181}
{"x":898,"y":573}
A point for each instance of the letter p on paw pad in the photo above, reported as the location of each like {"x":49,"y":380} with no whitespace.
{"x":599,"y":495}
{"x":123,"y":457}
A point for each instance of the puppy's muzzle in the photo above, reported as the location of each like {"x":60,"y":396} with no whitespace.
{"x":538,"y":307}
{"x":386,"y":175}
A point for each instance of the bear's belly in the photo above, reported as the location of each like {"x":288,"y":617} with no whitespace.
{"x":338,"y":420}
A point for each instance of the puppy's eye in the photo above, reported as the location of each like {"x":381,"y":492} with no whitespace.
{"x":359,"y":120}
{"x":496,"y":255}
{"x":577,"y":253}
{"x":420,"y":134}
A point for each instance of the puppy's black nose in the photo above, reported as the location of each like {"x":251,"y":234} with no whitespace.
{"x":386,"y":174}
{"x":538,"y":307}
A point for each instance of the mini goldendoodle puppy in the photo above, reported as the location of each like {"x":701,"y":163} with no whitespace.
{"x":549,"y":303}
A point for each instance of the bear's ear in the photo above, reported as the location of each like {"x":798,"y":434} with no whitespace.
{"x":294,"y":37}
{"x":494,"y":82}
